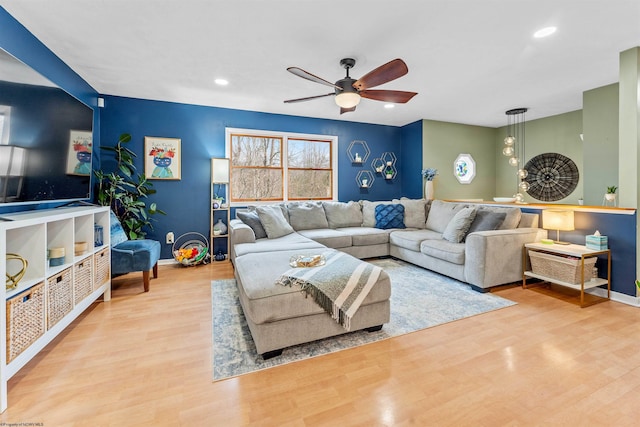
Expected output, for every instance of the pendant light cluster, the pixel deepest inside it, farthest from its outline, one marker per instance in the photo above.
(514, 149)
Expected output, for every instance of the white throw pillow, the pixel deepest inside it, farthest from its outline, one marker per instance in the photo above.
(273, 221)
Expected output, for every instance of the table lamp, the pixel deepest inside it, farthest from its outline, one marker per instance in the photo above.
(555, 219)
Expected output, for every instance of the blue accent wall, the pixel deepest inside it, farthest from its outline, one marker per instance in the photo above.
(621, 235)
(202, 131)
(411, 159)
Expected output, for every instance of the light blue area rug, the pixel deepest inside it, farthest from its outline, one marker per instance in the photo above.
(419, 299)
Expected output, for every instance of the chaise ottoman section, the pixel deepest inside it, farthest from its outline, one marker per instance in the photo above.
(281, 316)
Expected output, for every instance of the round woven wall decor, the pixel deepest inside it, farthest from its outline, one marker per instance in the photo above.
(551, 177)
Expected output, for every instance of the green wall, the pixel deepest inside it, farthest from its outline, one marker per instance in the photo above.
(555, 134)
(600, 128)
(443, 142)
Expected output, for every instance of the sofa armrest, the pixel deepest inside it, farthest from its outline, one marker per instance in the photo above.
(240, 232)
(495, 257)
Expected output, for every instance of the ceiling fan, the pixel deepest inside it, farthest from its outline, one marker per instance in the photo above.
(348, 91)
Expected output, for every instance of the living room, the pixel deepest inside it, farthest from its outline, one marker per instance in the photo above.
(421, 143)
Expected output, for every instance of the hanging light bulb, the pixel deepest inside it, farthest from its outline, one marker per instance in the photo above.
(513, 161)
(522, 173)
(509, 141)
(507, 151)
(524, 186)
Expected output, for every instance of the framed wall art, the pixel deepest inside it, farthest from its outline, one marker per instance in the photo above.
(464, 168)
(79, 152)
(162, 158)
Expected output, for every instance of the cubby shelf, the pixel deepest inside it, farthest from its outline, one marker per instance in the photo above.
(30, 235)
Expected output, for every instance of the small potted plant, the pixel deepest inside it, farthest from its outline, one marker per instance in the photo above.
(429, 174)
(611, 193)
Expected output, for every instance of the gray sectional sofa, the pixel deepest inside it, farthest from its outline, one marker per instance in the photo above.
(474, 243)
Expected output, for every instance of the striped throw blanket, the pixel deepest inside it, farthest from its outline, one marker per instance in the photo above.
(339, 286)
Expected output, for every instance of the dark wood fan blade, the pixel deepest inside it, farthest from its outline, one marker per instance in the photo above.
(308, 98)
(347, 110)
(397, 96)
(306, 75)
(383, 74)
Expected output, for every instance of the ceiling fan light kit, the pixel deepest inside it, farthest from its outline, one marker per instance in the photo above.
(348, 92)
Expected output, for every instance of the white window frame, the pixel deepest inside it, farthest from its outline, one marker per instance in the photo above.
(285, 157)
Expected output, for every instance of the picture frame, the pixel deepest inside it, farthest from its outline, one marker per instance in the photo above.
(162, 158)
(79, 153)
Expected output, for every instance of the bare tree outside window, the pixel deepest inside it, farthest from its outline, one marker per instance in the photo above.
(259, 168)
(309, 166)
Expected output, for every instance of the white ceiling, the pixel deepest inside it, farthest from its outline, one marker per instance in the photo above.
(469, 60)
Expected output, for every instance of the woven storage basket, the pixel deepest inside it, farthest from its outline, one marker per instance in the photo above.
(59, 297)
(25, 320)
(82, 279)
(102, 268)
(561, 268)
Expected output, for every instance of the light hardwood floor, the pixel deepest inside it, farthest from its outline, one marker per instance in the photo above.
(144, 359)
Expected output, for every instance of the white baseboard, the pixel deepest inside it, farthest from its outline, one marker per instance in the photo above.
(616, 296)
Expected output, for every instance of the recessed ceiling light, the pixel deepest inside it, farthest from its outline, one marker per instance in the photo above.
(389, 106)
(221, 82)
(544, 32)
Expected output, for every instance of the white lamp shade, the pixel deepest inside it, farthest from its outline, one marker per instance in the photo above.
(12, 160)
(220, 171)
(554, 219)
(347, 99)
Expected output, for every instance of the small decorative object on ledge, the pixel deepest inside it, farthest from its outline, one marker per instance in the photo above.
(220, 228)
(610, 196)
(354, 150)
(365, 179)
(13, 279)
(429, 174)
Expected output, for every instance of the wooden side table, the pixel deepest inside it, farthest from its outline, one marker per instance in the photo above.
(577, 251)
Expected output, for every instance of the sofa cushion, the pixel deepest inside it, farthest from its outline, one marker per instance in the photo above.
(441, 213)
(341, 214)
(292, 241)
(390, 216)
(459, 225)
(366, 236)
(415, 213)
(444, 250)
(252, 219)
(411, 239)
(307, 215)
(328, 237)
(369, 212)
(273, 221)
(486, 220)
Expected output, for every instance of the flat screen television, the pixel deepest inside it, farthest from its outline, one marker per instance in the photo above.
(46, 139)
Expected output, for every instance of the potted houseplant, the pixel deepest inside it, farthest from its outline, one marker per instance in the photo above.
(610, 195)
(126, 193)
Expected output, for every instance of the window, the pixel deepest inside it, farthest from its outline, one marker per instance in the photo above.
(268, 166)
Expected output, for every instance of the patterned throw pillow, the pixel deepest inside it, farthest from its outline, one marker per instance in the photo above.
(390, 216)
(117, 233)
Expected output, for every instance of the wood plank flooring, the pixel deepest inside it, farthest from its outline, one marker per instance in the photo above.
(144, 359)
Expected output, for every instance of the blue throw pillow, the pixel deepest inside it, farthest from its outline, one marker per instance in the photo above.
(390, 216)
(117, 233)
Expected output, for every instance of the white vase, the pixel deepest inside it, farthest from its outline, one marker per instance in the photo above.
(428, 190)
(219, 228)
